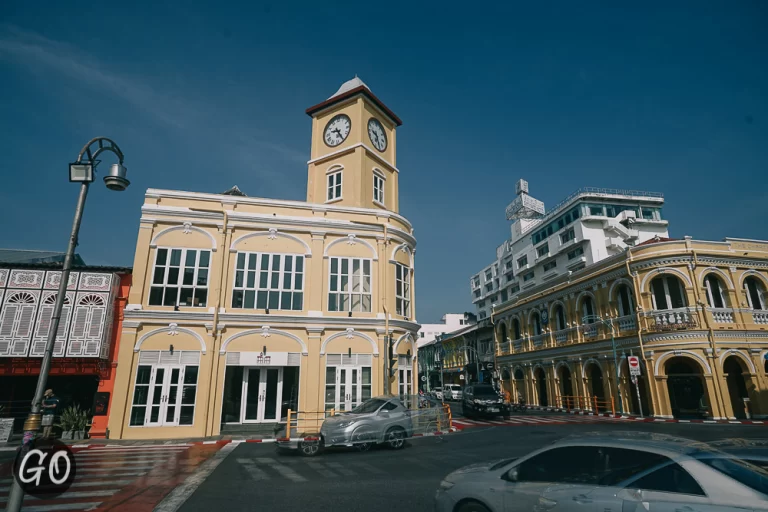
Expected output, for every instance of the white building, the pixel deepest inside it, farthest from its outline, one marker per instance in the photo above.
(449, 323)
(584, 228)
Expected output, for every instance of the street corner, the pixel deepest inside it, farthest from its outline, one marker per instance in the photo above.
(115, 477)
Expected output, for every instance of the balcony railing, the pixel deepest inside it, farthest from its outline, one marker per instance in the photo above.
(722, 315)
(626, 323)
(589, 330)
(760, 317)
(538, 340)
(517, 345)
(671, 319)
(561, 336)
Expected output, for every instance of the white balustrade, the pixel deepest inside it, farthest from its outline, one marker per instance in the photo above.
(722, 315)
(760, 316)
(670, 319)
(589, 330)
(518, 345)
(627, 323)
(561, 336)
(538, 339)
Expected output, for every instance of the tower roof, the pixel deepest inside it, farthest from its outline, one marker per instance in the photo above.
(349, 89)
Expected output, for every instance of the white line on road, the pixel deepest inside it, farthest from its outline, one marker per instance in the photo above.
(341, 469)
(317, 466)
(138, 447)
(288, 473)
(109, 470)
(176, 498)
(255, 473)
(72, 495)
(62, 506)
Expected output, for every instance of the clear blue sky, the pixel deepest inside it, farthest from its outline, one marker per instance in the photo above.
(669, 99)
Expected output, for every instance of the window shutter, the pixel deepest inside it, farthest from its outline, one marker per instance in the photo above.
(43, 328)
(93, 331)
(364, 359)
(190, 357)
(149, 356)
(77, 334)
(23, 330)
(7, 321)
(233, 358)
(294, 359)
(166, 357)
(333, 360)
(61, 335)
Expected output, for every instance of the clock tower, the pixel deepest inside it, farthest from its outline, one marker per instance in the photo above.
(353, 153)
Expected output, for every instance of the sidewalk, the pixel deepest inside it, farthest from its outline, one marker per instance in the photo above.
(647, 419)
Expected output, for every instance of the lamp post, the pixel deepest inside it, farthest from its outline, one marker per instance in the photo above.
(81, 171)
(608, 322)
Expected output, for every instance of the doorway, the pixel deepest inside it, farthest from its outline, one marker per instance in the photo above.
(686, 388)
(737, 387)
(566, 388)
(541, 386)
(252, 394)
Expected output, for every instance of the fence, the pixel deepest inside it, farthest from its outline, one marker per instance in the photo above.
(586, 403)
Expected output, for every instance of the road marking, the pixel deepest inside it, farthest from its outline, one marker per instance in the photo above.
(370, 468)
(317, 466)
(126, 455)
(121, 462)
(62, 506)
(72, 495)
(496, 422)
(176, 498)
(255, 473)
(341, 469)
(289, 473)
(139, 447)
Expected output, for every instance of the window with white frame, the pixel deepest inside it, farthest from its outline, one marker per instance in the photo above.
(542, 250)
(755, 293)
(180, 278)
(378, 188)
(269, 281)
(334, 185)
(549, 266)
(521, 262)
(404, 376)
(668, 293)
(402, 290)
(350, 285)
(560, 318)
(715, 294)
(88, 325)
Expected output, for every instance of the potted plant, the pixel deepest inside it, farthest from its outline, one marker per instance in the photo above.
(6, 426)
(73, 422)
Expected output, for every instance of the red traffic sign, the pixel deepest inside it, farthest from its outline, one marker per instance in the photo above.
(634, 365)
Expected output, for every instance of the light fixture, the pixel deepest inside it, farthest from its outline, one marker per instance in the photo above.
(171, 347)
(408, 353)
(350, 313)
(267, 310)
(81, 173)
(116, 180)
(349, 351)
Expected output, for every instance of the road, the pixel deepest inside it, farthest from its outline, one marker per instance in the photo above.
(256, 476)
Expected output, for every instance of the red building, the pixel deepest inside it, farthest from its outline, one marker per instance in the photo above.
(84, 356)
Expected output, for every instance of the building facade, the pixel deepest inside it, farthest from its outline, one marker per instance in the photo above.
(84, 354)
(588, 226)
(467, 355)
(694, 312)
(243, 308)
(449, 322)
(429, 346)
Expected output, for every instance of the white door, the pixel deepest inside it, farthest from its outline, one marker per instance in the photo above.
(165, 395)
(262, 390)
(348, 388)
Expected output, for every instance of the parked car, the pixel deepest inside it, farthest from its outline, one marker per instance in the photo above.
(380, 420)
(437, 393)
(452, 392)
(633, 471)
(483, 400)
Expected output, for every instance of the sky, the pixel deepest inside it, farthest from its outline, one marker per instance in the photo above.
(669, 97)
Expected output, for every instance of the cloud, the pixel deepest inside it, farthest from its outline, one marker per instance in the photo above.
(38, 53)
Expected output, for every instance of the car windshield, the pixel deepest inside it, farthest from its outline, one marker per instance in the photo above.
(368, 406)
(484, 391)
(742, 471)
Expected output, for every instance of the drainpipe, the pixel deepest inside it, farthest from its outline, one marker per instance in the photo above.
(651, 385)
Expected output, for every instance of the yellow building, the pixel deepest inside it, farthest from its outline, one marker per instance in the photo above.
(694, 312)
(243, 308)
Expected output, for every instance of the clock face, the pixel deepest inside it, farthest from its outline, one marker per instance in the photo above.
(337, 130)
(377, 134)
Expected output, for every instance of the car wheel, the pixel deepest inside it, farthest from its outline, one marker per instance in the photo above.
(395, 438)
(472, 506)
(363, 447)
(309, 448)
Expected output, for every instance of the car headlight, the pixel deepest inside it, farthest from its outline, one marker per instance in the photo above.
(446, 485)
(476, 402)
(345, 424)
(546, 503)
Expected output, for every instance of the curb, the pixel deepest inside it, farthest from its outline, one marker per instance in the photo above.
(647, 419)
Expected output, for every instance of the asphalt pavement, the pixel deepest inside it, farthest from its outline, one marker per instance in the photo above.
(256, 476)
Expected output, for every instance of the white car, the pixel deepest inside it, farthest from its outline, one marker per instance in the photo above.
(437, 393)
(617, 472)
(452, 392)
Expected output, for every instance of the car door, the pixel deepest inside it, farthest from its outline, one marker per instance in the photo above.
(527, 480)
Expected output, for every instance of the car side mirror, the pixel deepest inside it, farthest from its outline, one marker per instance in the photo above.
(383, 412)
(511, 475)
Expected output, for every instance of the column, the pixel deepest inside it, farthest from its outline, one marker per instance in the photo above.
(119, 409)
(141, 263)
(712, 391)
(315, 291)
(663, 408)
(760, 402)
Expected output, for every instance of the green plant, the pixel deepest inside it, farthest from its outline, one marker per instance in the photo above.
(73, 419)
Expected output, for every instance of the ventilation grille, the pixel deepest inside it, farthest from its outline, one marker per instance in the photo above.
(403, 361)
(184, 357)
(233, 358)
(347, 360)
(294, 359)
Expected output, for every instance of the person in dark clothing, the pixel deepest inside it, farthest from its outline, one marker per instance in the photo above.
(50, 408)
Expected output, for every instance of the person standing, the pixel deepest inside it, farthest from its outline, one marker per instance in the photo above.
(50, 408)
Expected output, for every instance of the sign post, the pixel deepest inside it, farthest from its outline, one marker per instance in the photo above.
(634, 370)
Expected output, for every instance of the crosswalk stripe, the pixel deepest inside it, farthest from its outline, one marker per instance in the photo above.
(320, 468)
(341, 469)
(62, 506)
(254, 472)
(370, 468)
(123, 455)
(87, 484)
(288, 473)
(142, 447)
(495, 422)
(125, 462)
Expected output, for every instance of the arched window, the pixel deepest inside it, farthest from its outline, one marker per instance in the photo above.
(625, 302)
(559, 317)
(668, 293)
(588, 310)
(716, 296)
(755, 293)
(536, 324)
(516, 328)
(503, 333)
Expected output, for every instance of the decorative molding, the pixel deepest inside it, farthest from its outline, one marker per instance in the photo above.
(261, 331)
(586, 364)
(661, 262)
(265, 331)
(709, 270)
(752, 272)
(406, 249)
(347, 333)
(352, 237)
(405, 337)
(271, 233)
(676, 353)
(616, 284)
(176, 329)
(664, 270)
(676, 336)
(186, 228)
(738, 353)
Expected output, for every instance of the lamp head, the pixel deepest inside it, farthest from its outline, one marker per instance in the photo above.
(116, 179)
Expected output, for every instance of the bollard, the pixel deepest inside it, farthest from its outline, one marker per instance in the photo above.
(613, 406)
(595, 401)
(288, 424)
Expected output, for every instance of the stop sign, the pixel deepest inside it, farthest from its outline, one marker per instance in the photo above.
(634, 365)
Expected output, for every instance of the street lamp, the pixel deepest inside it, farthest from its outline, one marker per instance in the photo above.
(81, 171)
(608, 322)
